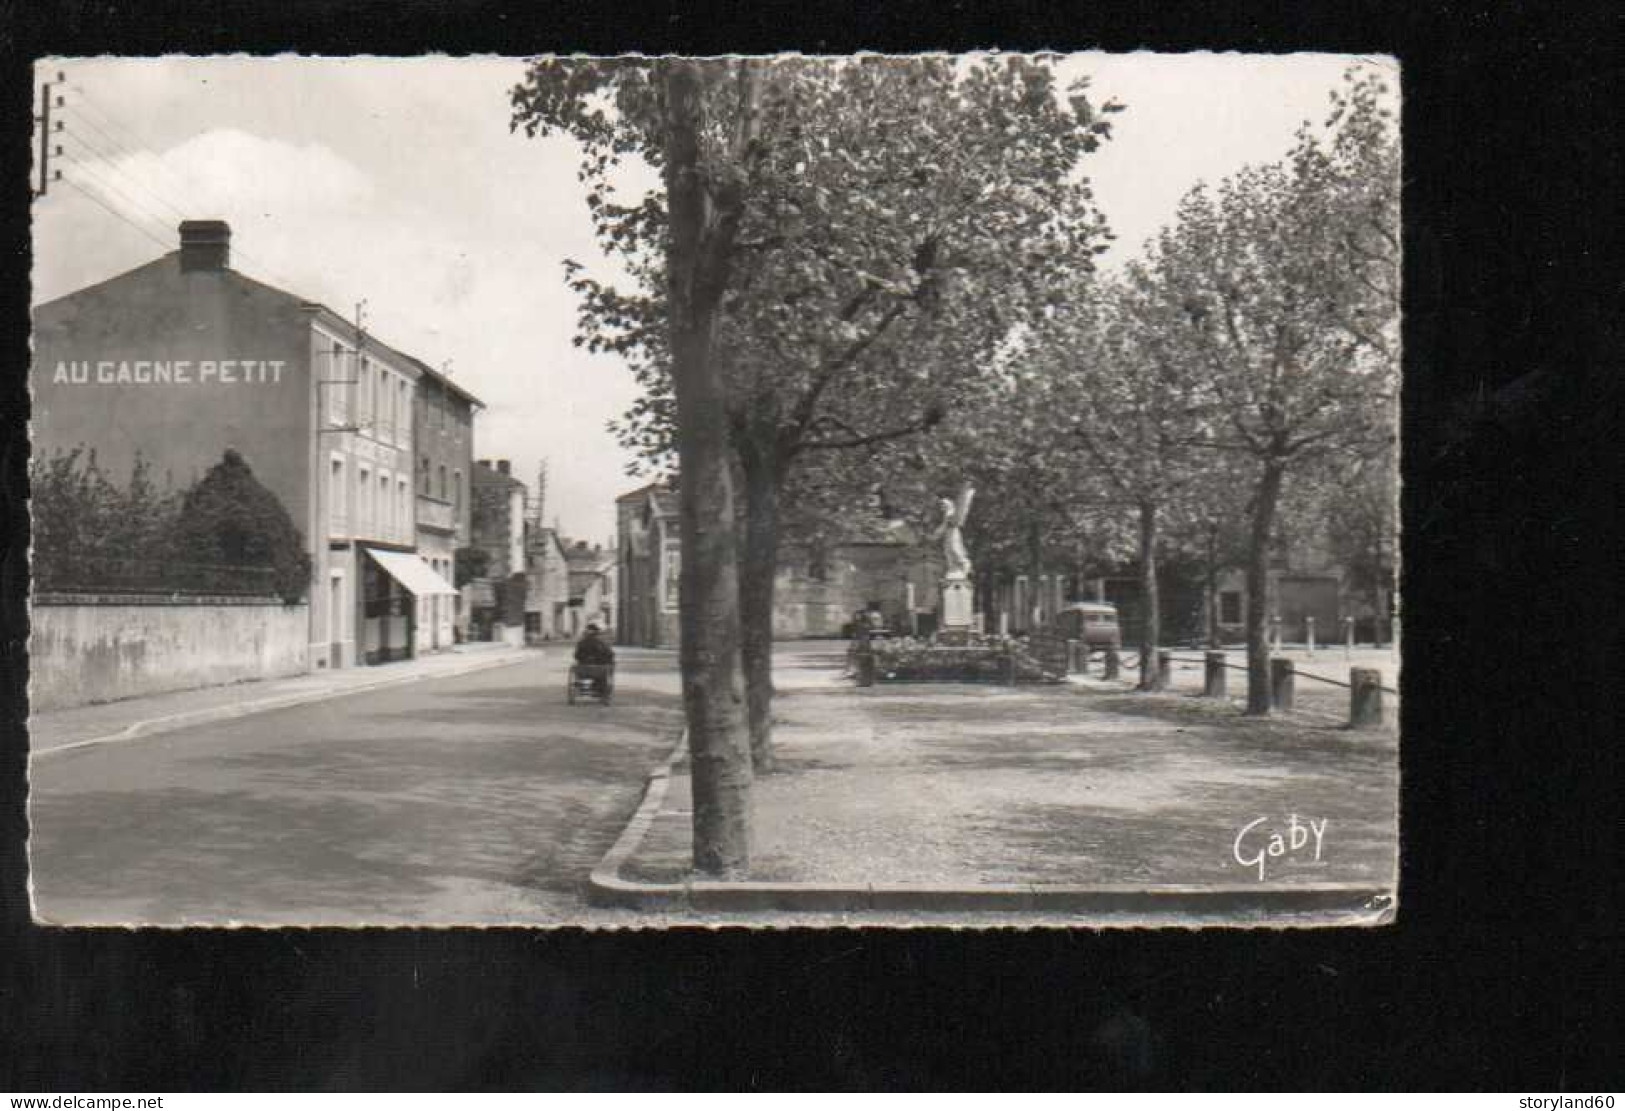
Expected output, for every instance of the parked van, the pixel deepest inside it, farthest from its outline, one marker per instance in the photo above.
(1092, 623)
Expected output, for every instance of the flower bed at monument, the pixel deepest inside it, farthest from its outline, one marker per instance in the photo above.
(985, 660)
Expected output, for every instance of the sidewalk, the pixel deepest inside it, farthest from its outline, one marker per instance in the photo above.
(82, 726)
(1070, 799)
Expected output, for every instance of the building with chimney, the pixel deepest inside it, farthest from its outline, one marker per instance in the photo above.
(184, 357)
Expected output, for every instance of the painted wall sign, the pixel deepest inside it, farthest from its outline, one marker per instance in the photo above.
(167, 372)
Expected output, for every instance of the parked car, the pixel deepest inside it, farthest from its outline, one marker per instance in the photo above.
(1093, 623)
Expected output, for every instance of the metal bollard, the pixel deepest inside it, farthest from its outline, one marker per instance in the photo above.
(1165, 667)
(1282, 683)
(1213, 677)
(1075, 663)
(1114, 663)
(1365, 697)
(1348, 638)
(1309, 635)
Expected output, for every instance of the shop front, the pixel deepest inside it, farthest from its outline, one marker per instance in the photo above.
(394, 586)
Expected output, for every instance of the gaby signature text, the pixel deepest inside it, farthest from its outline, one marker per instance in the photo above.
(1256, 848)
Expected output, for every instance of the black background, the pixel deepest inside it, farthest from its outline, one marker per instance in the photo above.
(1496, 975)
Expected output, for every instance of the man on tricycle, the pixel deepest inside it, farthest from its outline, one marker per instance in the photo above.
(595, 660)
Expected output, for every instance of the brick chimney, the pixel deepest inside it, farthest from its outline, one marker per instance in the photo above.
(504, 466)
(205, 245)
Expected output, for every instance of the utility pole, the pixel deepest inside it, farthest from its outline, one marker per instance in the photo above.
(538, 501)
(45, 148)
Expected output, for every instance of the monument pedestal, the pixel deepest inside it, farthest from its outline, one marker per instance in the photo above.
(957, 607)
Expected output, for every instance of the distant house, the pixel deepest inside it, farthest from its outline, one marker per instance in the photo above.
(592, 586)
(1306, 584)
(819, 587)
(647, 567)
(547, 589)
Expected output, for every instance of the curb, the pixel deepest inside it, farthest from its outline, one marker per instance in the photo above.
(168, 723)
(607, 888)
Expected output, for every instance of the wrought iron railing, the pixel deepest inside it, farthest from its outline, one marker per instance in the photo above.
(93, 574)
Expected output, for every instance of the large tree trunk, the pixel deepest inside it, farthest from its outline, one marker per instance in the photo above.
(1150, 597)
(1214, 638)
(757, 578)
(1258, 564)
(708, 585)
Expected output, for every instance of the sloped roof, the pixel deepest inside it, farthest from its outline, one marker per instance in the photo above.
(330, 318)
(660, 493)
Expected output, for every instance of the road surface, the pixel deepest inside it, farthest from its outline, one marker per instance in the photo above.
(476, 799)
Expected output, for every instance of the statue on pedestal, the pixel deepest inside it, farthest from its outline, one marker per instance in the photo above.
(957, 603)
(953, 541)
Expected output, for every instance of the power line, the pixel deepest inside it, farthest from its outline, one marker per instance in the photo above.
(108, 164)
(77, 114)
(87, 104)
(113, 211)
(134, 207)
(108, 175)
(132, 150)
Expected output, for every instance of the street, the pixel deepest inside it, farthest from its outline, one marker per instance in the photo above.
(475, 799)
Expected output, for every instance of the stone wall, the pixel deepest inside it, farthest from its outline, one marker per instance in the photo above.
(100, 650)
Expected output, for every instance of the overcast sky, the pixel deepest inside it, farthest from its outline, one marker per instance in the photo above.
(398, 182)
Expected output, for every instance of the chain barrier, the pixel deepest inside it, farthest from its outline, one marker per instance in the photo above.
(1296, 673)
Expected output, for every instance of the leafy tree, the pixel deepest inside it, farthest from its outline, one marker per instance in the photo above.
(230, 518)
(1284, 286)
(1207, 525)
(81, 520)
(1360, 518)
(1130, 402)
(469, 564)
(897, 217)
(697, 123)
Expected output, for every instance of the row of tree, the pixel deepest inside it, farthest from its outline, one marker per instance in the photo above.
(225, 532)
(876, 278)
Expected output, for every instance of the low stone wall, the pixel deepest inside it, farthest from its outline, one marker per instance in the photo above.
(87, 649)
